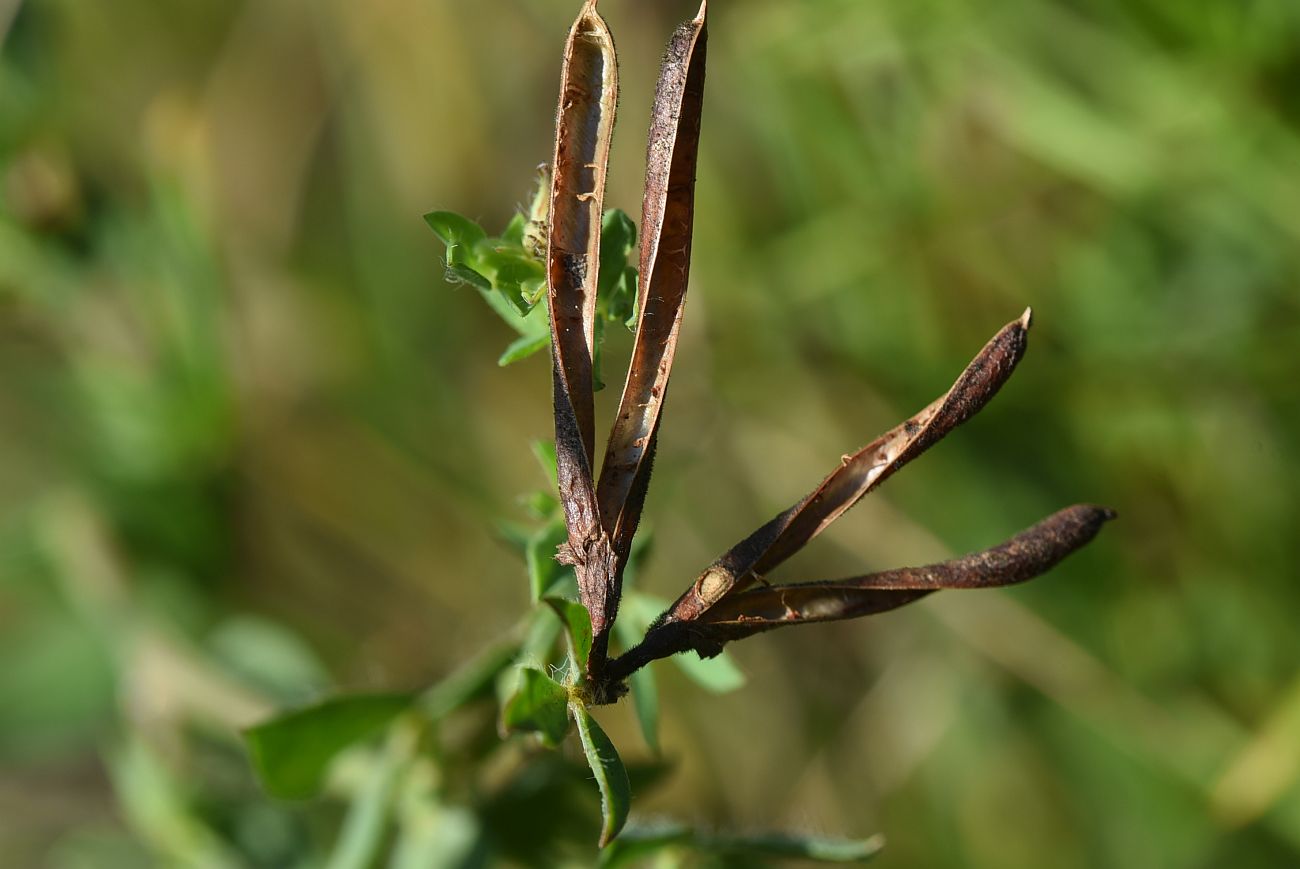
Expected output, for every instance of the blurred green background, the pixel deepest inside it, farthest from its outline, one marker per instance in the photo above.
(252, 445)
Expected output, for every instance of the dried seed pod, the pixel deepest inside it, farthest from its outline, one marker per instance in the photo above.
(667, 222)
(857, 475)
(1030, 553)
(583, 127)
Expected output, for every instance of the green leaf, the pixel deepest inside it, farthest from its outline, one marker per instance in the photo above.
(542, 505)
(469, 276)
(513, 534)
(645, 700)
(454, 229)
(577, 626)
(644, 688)
(514, 231)
(544, 451)
(365, 827)
(718, 675)
(617, 287)
(438, 837)
(796, 845)
(539, 706)
(544, 572)
(523, 347)
(611, 777)
(638, 843)
(509, 270)
(291, 753)
(642, 547)
(472, 681)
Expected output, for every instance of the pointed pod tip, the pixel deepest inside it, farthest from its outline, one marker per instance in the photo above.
(704, 10)
(1027, 319)
(1095, 512)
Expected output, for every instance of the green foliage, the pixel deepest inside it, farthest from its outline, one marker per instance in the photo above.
(510, 274)
(292, 752)
(539, 705)
(611, 777)
(639, 843)
(577, 631)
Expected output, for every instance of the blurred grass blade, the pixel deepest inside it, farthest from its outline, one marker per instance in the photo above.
(799, 846)
(470, 682)
(857, 475)
(645, 702)
(538, 706)
(544, 452)
(366, 826)
(640, 843)
(521, 348)
(642, 684)
(611, 776)
(717, 675)
(438, 837)
(291, 753)
(667, 225)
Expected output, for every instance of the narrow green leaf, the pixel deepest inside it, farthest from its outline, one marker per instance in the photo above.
(640, 842)
(637, 843)
(468, 275)
(544, 572)
(642, 683)
(544, 451)
(365, 827)
(508, 270)
(616, 289)
(542, 505)
(611, 777)
(539, 706)
(514, 231)
(535, 651)
(523, 347)
(718, 675)
(472, 681)
(638, 554)
(796, 846)
(645, 700)
(513, 534)
(454, 229)
(439, 837)
(577, 627)
(291, 753)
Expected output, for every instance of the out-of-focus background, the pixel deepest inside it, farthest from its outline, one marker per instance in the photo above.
(252, 445)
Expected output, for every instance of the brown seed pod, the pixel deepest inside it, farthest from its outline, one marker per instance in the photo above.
(1030, 553)
(667, 222)
(583, 128)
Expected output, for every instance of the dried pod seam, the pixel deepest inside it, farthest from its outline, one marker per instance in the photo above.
(667, 221)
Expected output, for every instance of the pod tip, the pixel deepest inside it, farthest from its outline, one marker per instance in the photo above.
(1027, 319)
